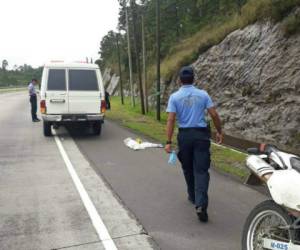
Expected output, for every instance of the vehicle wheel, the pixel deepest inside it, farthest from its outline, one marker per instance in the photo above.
(97, 127)
(47, 128)
(266, 220)
(55, 126)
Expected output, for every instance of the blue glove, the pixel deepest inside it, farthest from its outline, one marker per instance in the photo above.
(172, 158)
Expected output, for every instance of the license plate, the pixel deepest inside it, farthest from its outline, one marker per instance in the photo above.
(279, 245)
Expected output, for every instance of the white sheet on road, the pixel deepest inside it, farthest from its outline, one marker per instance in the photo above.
(133, 144)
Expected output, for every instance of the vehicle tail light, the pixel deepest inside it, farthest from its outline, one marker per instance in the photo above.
(103, 106)
(43, 106)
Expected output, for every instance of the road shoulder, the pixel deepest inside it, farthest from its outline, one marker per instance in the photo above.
(124, 228)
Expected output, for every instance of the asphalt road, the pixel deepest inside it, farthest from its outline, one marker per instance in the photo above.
(41, 209)
(155, 193)
(41, 206)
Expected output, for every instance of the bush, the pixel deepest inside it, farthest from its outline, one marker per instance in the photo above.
(291, 25)
(282, 8)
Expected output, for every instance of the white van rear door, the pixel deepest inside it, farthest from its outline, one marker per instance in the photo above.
(56, 92)
(84, 92)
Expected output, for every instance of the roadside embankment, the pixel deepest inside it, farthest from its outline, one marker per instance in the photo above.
(253, 78)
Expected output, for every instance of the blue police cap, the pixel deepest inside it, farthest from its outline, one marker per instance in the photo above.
(186, 73)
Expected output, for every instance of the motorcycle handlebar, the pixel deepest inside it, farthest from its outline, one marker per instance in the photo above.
(253, 151)
(267, 150)
(262, 149)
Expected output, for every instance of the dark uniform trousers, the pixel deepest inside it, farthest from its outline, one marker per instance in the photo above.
(33, 102)
(194, 155)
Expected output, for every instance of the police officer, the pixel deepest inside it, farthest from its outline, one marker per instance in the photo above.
(189, 105)
(33, 100)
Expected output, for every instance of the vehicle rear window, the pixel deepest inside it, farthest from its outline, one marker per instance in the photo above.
(83, 80)
(56, 80)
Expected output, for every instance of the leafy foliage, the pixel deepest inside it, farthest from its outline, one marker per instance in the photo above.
(4, 64)
(291, 24)
(179, 20)
(18, 76)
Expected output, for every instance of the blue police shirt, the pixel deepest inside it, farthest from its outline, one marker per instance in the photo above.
(190, 103)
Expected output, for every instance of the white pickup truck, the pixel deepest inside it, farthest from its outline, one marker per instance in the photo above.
(72, 93)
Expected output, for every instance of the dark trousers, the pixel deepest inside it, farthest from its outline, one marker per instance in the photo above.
(194, 155)
(33, 102)
(107, 100)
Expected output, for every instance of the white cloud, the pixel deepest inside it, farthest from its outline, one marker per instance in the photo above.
(36, 31)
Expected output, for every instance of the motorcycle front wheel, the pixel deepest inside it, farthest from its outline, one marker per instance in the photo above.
(266, 220)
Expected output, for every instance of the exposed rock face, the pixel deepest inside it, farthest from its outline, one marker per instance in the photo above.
(254, 78)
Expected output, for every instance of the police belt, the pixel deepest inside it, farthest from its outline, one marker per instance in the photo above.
(201, 129)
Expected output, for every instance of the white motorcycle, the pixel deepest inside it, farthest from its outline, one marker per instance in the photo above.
(274, 224)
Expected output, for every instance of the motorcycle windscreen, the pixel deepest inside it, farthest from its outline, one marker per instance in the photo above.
(295, 163)
(284, 186)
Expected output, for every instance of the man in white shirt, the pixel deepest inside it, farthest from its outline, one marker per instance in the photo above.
(33, 100)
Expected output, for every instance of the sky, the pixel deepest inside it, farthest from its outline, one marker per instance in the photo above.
(38, 31)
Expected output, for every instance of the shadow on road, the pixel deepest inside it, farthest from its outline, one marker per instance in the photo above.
(76, 131)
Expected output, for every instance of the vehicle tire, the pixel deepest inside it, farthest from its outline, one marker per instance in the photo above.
(47, 128)
(256, 226)
(97, 127)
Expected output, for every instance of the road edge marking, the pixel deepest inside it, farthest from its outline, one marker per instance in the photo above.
(229, 148)
(97, 222)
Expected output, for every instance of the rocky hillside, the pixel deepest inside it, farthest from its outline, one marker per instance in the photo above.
(254, 79)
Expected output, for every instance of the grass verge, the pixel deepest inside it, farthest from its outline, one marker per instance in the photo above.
(224, 159)
(5, 90)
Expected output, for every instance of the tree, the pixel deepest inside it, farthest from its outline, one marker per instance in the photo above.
(4, 64)
(179, 20)
(120, 69)
(158, 59)
(18, 76)
(144, 66)
(129, 56)
(137, 54)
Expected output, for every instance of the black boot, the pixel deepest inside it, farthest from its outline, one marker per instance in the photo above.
(191, 200)
(202, 214)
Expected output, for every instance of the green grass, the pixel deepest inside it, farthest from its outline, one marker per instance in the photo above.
(228, 161)
(5, 90)
(130, 117)
(224, 159)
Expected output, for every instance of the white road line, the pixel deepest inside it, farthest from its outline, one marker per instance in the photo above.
(98, 224)
(234, 150)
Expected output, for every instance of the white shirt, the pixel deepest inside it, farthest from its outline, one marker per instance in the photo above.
(31, 89)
